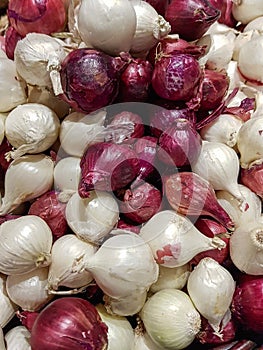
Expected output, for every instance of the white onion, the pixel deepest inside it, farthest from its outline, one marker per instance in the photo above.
(18, 338)
(7, 307)
(245, 11)
(126, 306)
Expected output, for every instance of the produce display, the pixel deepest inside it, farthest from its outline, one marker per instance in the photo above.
(131, 173)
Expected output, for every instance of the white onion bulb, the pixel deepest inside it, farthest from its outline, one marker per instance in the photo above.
(2, 340)
(31, 128)
(25, 244)
(126, 306)
(245, 11)
(29, 290)
(7, 307)
(18, 338)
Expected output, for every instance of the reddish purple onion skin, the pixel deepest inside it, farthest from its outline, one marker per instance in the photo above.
(163, 118)
(177, 77)
(209, 227)
(52, 211)
(69, 323)
(89, 79)
(135, 81)
(189, 194)
(125, 225)
(107, 167)
(214, 88)
(226, 16)
(253, 179)
(11, 39)
(130, 117)
(159, 5)
(27, 318)
(45, 16)
(208, 336)
(141, 203)
(247, 303)
(180, 144)
(220, 255)
(190, 18)
(5, 147)
(8, 217)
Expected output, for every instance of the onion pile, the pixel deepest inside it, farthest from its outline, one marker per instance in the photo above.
(131, 156)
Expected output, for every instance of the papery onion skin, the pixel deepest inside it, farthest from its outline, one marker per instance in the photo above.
(129, 117)
(28, 16)
(180, 144)
(52, 211)
(226, 16)
(253, 178)
(69, 323)
(247, 305)
(135, 81)
(107, 167)
(89, 79)
(11, 39)
(123, 224)
(177, 77)
(191, 18)
(141, 203)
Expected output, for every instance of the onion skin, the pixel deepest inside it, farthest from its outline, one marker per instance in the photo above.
(46, 16)
(69, 323)
(253, 178)
(247, 303)
(123, 224)
(177, 77)
(191, 18)
(207, 335)
(218, 255)
(159, 5)
(129, 117)
(27, 318)
(90, 79)
(209, 227)
(11, 39)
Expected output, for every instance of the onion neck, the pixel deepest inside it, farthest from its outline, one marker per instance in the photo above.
(44, 259)
(256, 236)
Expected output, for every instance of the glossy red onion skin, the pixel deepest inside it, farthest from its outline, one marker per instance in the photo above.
(45, 16)
(141, 203)
(135, 81)
(52, 211)
(214, 88)
(5, 147)
(11, 39)
(219, 255)
(125, 225)
(69, 323)
(253, 179)
(27, 318)
(189, 194)
(209, 227)
(177, 77)
(162, 118)
(226, 16)
(130, 117)
(107, 167)
(190, 18)
(247, 303)
(89, 80)
(244, 110)
(207, 335)
(159, 5)
(180, 144)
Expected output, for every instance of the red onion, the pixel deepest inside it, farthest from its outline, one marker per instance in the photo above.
(52, 211)
(162, 118)
(90, 79)
(191, 18)
(243, 111)
(209, 227)
(189, 194)
(253, 178)
(27, 318)
(135, 81)
(8, 217)
(244, 345)
(180, 144)
(177, 77)
(208, 336)
(220, 255)
(11, 39)
(124, 224)
(159, 5)
(225, 7)
(171, 45)
(45, 16)
(107, 167)
(69, 323)
(5, 147)
(129, 117)
(214, 88)
(141, 203)
(247, 304)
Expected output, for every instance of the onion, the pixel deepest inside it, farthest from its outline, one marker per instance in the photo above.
(45, 17)
(52, 211)
(225, 7)
(125, 224)
(253, 178)
(180, 144)
(135, 81)
(11, 39)
(191, 18)
(159, 5)
(107, 167)
(190, 194)
(209, 227)
(247, 305)
(89, 79)
(246, 10)
(177, 77)
(141, 203)
(27, 318)
(69, 323)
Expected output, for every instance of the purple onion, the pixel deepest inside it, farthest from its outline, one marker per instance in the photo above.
(11, 39)
(180, 144)
(90, 79)
(177, 77)
(135, 81)
(141, 203)
(191, 18)
(107, 167)
(159, 5)
(125, 224)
